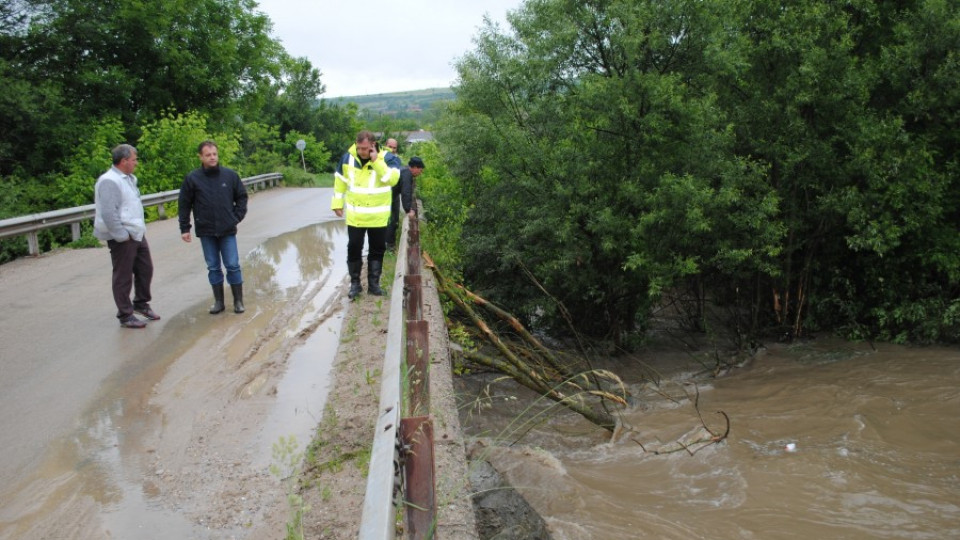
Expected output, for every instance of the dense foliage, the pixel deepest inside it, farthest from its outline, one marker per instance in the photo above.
(787, 166)
(80, 77)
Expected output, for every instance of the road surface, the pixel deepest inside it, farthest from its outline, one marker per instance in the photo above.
(123, 433)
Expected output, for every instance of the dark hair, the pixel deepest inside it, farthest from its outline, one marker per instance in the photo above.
(416, 162)
(204, 144)
(121, 152)
(366, 136)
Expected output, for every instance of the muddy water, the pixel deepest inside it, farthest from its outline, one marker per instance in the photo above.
(312, 259)
(100, 480)
(827, 440)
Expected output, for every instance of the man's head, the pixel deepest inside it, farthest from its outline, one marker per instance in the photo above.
(209, 154)
(416, 165)
(392, 145)
(124, 158)
(366, 143)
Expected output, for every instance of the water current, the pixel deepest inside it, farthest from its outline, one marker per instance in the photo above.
(827, 439)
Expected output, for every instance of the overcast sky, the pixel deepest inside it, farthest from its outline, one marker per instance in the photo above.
(412, 43)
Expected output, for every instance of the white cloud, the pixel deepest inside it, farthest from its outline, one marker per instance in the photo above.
(386, 47)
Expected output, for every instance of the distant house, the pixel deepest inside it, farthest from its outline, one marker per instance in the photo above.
(410, 137)
(418, 136)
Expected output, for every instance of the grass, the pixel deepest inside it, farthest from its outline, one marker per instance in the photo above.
(371, 378)
(350, 331)
(295, 176)
(286, 460)
(324, 454)
(323, 180)
(389, 268)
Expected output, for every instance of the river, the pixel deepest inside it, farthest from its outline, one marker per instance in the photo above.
(828, 439)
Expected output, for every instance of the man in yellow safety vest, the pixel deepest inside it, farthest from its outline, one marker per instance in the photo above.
(362, 192)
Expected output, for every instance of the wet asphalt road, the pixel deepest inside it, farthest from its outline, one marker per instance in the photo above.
(60, 341)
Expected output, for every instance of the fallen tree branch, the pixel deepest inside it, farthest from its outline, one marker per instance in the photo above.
(538, 368)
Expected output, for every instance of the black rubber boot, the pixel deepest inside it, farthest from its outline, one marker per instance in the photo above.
(354, 267)
(374, 268)
(217, 306)
(237, 291)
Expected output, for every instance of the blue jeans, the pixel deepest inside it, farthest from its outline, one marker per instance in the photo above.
(217, 249)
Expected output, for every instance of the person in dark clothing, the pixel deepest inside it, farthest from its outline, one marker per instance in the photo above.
(404, 192)
(218, 200)
(394, 161)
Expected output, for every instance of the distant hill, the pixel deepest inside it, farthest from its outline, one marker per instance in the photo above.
(416, 104)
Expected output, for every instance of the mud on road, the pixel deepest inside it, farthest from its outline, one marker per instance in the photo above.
(167, 432)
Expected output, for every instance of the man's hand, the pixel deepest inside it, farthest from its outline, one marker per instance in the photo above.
(373, 154)
(185, 237)
(338, 212)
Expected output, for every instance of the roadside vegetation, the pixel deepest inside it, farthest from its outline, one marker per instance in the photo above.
(606, 171)
(81, 77)
(751, 170)
(748, 170)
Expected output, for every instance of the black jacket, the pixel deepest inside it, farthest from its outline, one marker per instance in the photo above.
(405, 188)
(217, 199)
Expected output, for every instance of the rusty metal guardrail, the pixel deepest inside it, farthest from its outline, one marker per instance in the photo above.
(402, 470)
(32, 224)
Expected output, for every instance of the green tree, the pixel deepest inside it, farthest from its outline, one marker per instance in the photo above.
(315, 154)
(795, 163)
(135, 57)
(64, 65)
(337, 128)
(89, 160)
(846, 104)
(260, 148)
(37, 125)
(446, 213)
(80, 77)
(294, 96)
(575, 132)
(168, 150)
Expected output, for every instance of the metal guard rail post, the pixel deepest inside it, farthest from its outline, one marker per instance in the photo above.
(31, 224)
(378, 518)
(403, 445)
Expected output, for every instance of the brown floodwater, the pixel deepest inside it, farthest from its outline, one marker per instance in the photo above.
(828, 439)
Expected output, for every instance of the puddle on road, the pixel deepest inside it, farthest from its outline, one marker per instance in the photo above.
(302, 393)
(96, 472)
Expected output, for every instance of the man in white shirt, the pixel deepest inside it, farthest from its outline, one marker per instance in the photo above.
(119, 220)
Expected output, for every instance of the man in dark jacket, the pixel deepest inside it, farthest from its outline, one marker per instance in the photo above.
(393, 161)
(404, 192)
(218, 200)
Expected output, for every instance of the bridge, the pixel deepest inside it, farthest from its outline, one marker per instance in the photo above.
(79, 394)
(87, 408)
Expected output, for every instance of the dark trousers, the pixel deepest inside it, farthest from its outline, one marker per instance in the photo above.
(355, 238)
(132, 269)
(394, 220)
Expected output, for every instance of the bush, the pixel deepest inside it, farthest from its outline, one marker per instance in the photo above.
(296, 177)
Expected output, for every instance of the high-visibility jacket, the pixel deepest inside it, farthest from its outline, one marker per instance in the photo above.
(363, 189)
